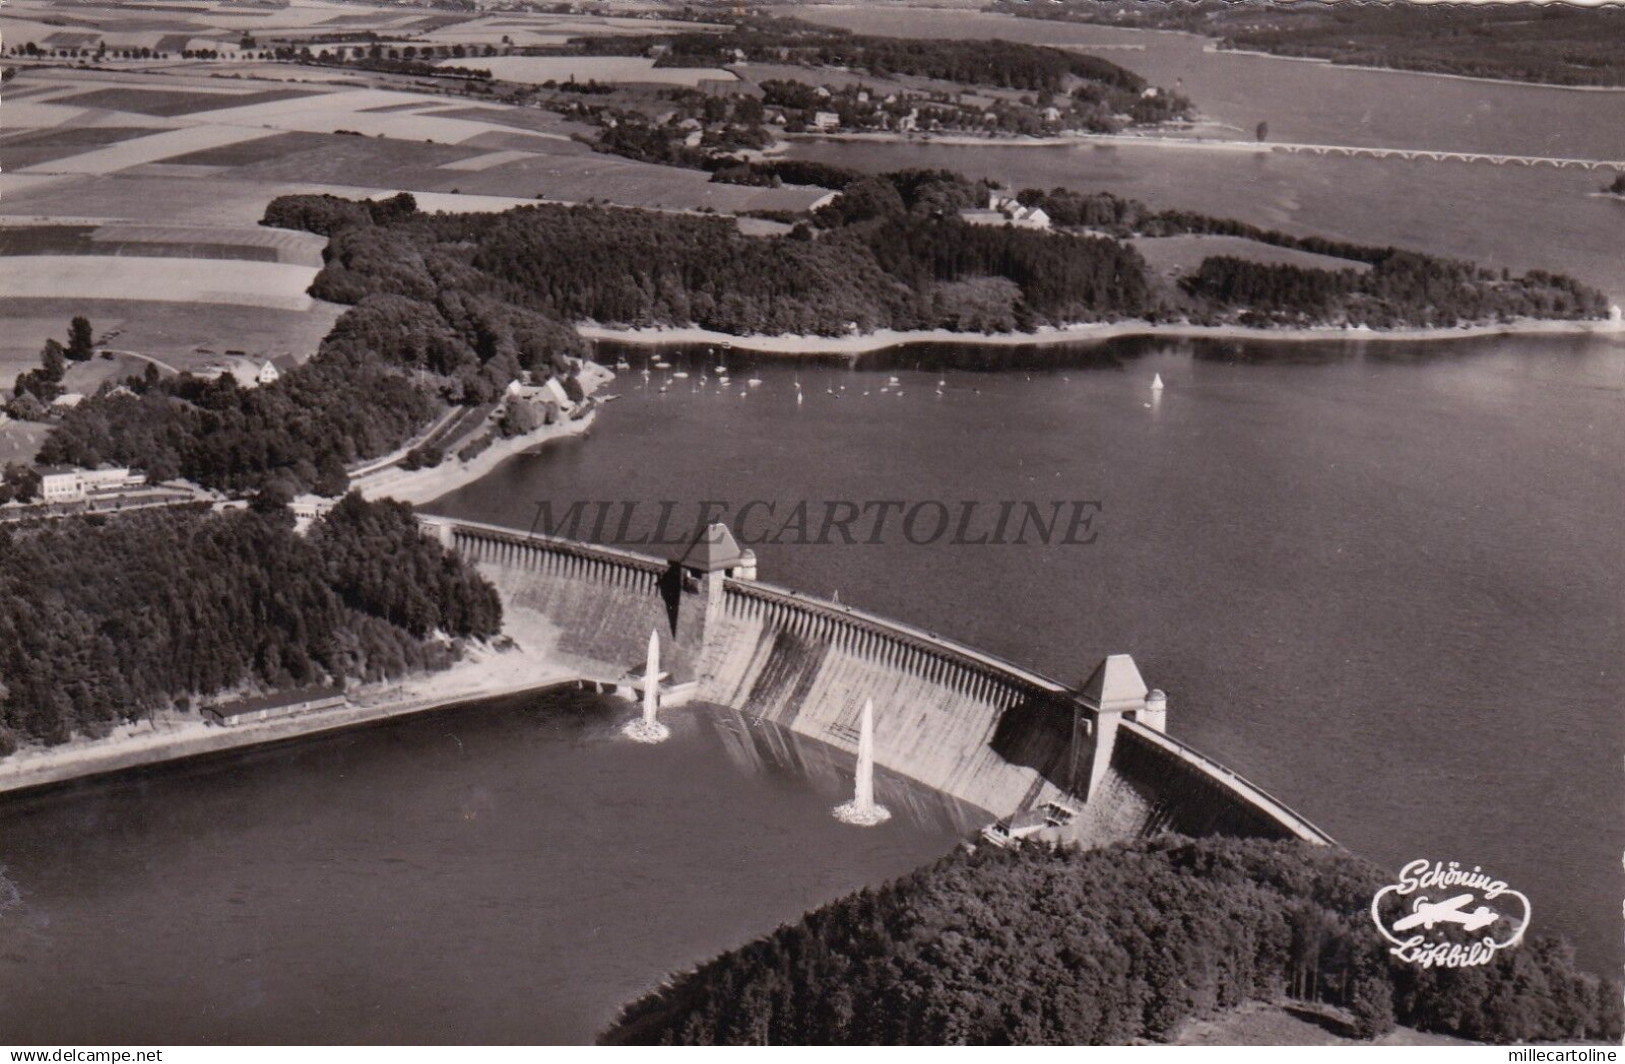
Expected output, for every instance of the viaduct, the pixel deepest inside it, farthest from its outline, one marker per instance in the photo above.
(989, 733)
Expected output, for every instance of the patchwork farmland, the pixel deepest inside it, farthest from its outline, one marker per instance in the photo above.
(141, 144)
(90, 156)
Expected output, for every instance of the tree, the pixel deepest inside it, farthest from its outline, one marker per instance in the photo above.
(53, 361)
(81, 341)
(20, 482)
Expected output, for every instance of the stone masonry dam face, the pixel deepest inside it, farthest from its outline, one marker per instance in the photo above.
(980, 730)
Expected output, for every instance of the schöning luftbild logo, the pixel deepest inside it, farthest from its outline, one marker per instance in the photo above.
(1442, 915)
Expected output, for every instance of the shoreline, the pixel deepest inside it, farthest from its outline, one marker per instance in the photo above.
(1215, 49)
(420, 486)
(484, 672)
(882, 339)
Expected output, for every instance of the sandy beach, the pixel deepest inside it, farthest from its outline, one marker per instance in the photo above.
(1082, 333)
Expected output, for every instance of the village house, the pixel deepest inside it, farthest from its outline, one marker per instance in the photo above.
(1007, 210)
(826, 120)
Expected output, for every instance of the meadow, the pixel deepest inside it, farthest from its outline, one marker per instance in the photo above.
(1180, 255)
(535, 70)
(107, 173)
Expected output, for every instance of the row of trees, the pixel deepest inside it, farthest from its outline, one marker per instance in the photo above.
(1557, 44)
(452, 307)
(891, 251)
(1104, 947)
(1402, 288)
(991, 62)
(105, 621)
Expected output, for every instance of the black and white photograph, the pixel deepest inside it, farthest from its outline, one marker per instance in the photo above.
(627, 523)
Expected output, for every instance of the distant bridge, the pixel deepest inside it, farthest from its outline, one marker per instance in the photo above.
(1353, 151)
(1432, 155)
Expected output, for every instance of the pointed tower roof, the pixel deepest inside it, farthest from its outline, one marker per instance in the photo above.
(1115, 686)
(712, 551)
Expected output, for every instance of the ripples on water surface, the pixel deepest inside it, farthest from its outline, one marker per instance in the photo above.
(512, 872)
(1381, 580)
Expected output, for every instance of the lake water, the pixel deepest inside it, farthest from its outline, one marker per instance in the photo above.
(510, 872)
(1382, 581)
(1514, 216)
(1313, 103)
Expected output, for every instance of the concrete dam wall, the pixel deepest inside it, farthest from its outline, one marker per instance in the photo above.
(979, 730)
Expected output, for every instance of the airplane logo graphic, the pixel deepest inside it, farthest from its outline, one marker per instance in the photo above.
(1426, 914)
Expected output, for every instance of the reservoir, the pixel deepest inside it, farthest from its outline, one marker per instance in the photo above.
(509, 872)
(1516, 217)
(1378, 580)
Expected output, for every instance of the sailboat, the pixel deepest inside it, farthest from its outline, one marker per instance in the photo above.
(1156, 382)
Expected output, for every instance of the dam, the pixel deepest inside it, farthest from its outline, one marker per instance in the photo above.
(984, 731)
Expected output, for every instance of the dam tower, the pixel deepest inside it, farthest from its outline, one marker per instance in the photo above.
(694, 590)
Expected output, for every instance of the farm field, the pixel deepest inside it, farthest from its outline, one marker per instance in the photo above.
(534, 70)
(135, 198)
(20, 441)
(222, 25)
(166, 279)
(178, 335)
(1177, 256)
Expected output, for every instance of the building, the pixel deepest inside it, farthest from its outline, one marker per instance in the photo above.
(248, 372)
(826, 120)
(60, 483)
(549, 391)
(306, 509)
(273, 706)
(1006, 210)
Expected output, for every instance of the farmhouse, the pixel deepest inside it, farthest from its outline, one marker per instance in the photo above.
(1006, 210)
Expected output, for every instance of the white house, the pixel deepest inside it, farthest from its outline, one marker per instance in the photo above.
(268, 374)
(826, 120)
(1006, 210)
(60, 483)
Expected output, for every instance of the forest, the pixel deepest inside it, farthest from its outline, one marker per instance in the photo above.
(991, 62)
(448, 308)
(104, 621)
(1064, 947)
(1559, 44)
(888, 253)
(430, 335)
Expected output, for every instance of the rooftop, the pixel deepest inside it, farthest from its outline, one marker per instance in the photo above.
(1115, 685)
(712, 551)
